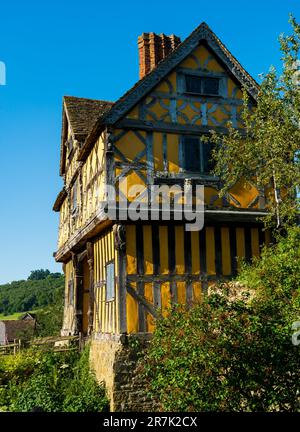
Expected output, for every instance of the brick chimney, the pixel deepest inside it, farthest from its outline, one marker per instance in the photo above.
(153, 48)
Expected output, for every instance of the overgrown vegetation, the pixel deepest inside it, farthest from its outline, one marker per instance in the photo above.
(234, 352)
(44, 380)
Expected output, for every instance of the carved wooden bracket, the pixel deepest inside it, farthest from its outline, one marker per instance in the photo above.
(119, 237)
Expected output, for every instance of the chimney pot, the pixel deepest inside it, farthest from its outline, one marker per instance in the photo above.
(153, 48)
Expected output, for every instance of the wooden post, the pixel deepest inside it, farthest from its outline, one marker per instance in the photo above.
(15, 346)
(90, 255)
(19, 345)
(78, 293)
(120, 246)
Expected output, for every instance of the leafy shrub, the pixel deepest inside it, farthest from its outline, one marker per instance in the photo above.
(233, 353)
(50, 382)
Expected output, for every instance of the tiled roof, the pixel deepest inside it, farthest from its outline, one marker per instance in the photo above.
(83, 113)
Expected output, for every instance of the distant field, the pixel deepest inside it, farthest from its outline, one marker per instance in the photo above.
(14, 316)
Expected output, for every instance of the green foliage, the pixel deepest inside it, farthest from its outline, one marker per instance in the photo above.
(38, 274)
(49, 381)
(49, 319)
(266, 154)
(21, 296)
(234, 352)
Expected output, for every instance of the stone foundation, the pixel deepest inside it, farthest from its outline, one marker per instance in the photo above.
(114, 361)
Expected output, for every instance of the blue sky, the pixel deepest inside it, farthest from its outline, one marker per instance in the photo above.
(89, 49)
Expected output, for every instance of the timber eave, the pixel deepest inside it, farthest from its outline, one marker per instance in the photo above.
(98, 224)
(59, 200)
(79, 238)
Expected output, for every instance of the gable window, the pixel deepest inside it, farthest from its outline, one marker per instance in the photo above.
(202, 85)
(196, 155)
(110, 281)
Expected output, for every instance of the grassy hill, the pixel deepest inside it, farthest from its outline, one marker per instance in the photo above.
(42, 293)
(30, 294)
(16, 315)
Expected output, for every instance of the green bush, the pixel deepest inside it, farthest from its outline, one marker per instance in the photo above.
(49, 381)
(233, 352)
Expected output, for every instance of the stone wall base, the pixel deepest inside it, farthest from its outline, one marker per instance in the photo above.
(114, 362)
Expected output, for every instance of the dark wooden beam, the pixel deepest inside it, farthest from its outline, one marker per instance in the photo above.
(141, 299)
(159, 126)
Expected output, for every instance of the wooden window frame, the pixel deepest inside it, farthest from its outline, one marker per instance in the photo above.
(112, 298)
(202, 79)
(201, 173)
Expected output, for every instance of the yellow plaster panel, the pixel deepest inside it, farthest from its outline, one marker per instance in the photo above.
(244, 193)
(181, 292)
(165, 298)
(179, 249)
(218, 115)
(214, 66)
(173, 152)
(231, 87)
(148, 253)
(226, 261)
(130, 146)
(131, 249)
(211, 197)
(134, 113)
(195, 252)
(210, 251)
(158, 151)
(163, 249)
(159, 111)
(132, 314)
(196, 291)
(150, 321)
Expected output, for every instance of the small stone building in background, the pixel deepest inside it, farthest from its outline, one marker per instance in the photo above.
(17, 329)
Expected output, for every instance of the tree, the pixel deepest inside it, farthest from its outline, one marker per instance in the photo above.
(266, 153)
(38, 274)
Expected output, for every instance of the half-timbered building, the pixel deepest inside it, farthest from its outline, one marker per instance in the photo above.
(121, 273)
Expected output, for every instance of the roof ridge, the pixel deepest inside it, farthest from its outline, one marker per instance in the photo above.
(84, 98)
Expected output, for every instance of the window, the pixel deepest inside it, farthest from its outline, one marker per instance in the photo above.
(71, 292)
(196, 155)
(110, 281)
(202, 85)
